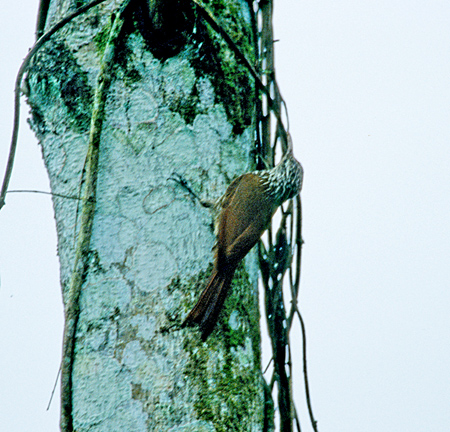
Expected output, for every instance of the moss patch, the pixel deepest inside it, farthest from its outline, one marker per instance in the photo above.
(214, 59)
(101, 38)
(57, 75)
(226, 368)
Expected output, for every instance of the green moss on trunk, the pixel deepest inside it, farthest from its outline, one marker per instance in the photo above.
(226, 368)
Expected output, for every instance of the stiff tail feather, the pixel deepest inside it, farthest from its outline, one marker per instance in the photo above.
(206, 311)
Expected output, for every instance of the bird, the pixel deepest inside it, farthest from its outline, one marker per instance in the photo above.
(244, 212)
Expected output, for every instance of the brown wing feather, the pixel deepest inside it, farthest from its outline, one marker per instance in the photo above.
(245, 215)
(231, 189)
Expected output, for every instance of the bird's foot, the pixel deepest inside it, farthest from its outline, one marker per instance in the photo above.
(177, 178)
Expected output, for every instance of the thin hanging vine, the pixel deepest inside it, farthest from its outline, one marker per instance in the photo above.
(18, 89)
(82, 255)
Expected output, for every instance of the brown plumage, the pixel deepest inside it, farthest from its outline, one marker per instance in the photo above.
(245, 211)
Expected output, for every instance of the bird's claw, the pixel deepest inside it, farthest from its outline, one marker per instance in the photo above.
(183, 183)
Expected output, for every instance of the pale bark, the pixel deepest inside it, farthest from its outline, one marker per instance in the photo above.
(150, 250)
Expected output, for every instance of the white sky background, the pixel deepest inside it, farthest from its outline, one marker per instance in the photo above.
(367, 87)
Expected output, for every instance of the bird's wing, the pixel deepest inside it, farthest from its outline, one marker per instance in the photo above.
(245, 214)
(229, 193)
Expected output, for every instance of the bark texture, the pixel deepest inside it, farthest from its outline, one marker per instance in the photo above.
(186, 108)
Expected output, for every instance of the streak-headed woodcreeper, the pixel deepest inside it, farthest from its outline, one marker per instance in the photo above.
(244, 213)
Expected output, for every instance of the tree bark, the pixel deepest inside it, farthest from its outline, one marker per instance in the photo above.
(178, 102)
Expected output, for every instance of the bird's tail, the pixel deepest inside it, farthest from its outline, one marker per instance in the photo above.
(206, 311)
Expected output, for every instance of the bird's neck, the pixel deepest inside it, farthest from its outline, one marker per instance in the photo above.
(284, 181)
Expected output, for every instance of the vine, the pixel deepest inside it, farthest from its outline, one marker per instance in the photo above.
(18, 85)
(284, 241)
(82, 252)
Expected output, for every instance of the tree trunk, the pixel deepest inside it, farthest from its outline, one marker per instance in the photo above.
(177, 102)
